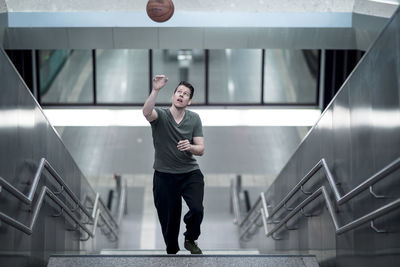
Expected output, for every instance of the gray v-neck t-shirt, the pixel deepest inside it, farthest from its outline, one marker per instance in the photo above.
(166, 135)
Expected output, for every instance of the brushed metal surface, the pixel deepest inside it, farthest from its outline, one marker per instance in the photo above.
(358, 134)
(25, 137)
(200, 24)
(207, 38)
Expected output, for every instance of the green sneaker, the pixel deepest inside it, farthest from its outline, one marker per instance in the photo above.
(192, 247)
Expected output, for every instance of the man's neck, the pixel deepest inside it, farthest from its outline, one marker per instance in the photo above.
(177, 112)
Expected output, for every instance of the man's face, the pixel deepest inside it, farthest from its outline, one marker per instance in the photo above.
(181, 97)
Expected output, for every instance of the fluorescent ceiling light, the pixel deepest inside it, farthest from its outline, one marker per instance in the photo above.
(390, 2)
(209, 117)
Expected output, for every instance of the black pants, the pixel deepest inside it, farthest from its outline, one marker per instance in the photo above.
(168, 190)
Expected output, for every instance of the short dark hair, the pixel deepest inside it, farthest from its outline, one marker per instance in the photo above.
(188, 85)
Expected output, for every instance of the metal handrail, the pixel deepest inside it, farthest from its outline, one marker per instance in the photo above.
(46, 191)
(263, 212)
(339, 229)
(322, 191)
(235, 201)
(111, 217)
(112, 225)
(122, 202)
(248, 215)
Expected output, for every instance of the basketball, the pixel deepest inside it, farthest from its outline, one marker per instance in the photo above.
(160, 10)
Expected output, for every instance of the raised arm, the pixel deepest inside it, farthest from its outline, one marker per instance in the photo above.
(149, 113)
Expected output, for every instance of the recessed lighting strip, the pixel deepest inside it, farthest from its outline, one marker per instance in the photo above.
(209, 117)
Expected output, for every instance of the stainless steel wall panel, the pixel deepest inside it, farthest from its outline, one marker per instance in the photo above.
(138, 38)
(88, 38)
(228, 38)
(366, 29)
(26, 137)
(181, 38)
(205, 38)
(328, 29)
(340, 164)
(358, 135)
(327, 237)
(300, 38)
(36, 38)
(3, 6)
(3, 25)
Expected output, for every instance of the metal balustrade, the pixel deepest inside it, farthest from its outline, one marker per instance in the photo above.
(252, 217)
(91, 218)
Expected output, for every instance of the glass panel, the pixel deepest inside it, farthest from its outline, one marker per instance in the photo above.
(122, 76)
(290, 76)
(180, 65)
(235, 76)
(66, 76)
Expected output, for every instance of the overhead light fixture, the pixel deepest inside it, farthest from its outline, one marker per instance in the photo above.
(209, 117)
(390, 2)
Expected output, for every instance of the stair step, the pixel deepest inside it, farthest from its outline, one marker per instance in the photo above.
(182, 260)
(182, 252)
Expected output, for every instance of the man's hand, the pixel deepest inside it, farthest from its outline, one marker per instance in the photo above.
(184, 145)
(197, 148)
(159, 81)
(148, 110)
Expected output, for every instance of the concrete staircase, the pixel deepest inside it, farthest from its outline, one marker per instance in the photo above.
(182, 252)
(159, 258)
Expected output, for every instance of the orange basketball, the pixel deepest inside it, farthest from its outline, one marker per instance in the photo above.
(160, 10)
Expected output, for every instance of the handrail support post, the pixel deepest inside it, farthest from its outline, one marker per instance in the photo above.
(371, 190)
(379, 231)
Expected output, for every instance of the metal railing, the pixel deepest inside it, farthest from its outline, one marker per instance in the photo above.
(235, 207)
(121, 187)
(252, 217)
(91, 218)
(238, 197)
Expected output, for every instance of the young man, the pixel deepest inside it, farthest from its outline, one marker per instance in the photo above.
(177, 136)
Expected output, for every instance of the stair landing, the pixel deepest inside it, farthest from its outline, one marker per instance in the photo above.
(182, 260)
